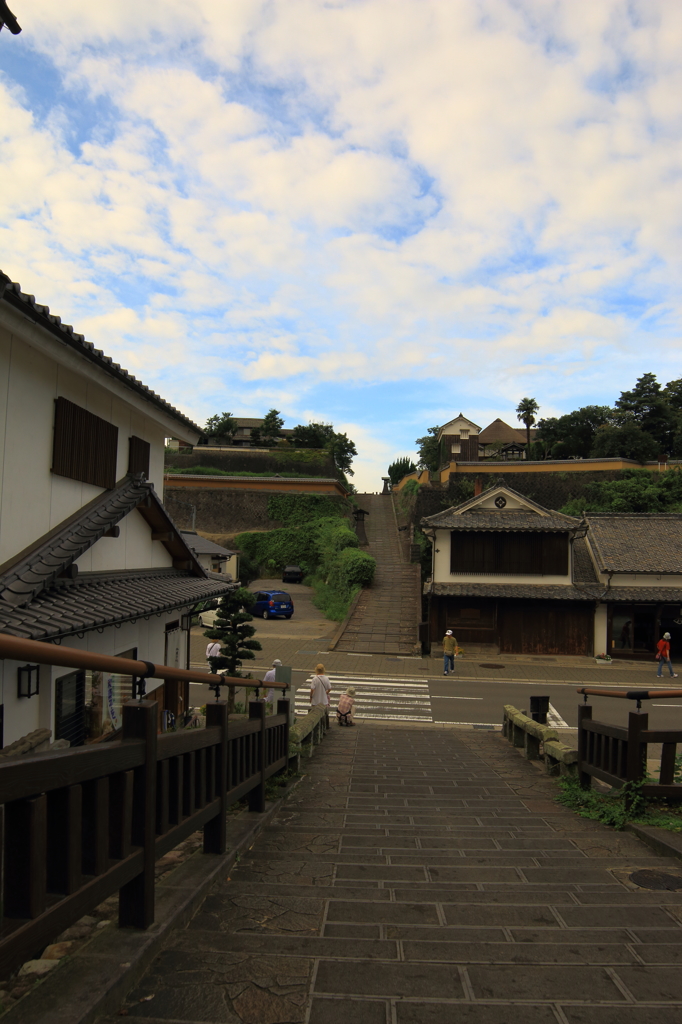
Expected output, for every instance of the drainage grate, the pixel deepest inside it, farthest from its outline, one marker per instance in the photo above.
(485, 665)
(656, 880)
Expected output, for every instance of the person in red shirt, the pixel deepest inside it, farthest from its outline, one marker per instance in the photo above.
(663, 648)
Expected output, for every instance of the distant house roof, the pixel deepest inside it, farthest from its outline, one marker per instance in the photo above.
(203, 546)
(500, 432)
(11, 293)
(631, 543)
(461, 416)
(470, 516)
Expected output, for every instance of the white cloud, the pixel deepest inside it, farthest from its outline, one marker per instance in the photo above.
(273, 197)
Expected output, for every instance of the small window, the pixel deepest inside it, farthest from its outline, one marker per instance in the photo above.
(456, 449)
(464, 434)
(85, 446)
(138, 456)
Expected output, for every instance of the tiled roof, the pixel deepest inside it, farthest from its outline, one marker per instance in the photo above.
(637, 543)
(97, 600)
(645, 595)
(506, 522)
(539, 592)
(202, 545)
(498, 430)
(583, 567)
(27, 305)
(38, 566)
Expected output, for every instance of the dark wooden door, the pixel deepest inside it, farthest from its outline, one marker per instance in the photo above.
(556, 627)
(70, 708)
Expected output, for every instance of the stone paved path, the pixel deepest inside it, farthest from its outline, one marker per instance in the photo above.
(422, 876)
(386, 617)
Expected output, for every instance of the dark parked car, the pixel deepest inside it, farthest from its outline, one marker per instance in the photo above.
(272, 602)
(292, 574)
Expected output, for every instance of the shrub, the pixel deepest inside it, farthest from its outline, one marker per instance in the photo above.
(351, 568)
(296, 509)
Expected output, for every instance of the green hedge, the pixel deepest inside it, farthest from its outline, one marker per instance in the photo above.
(327, 551)
(296, 509)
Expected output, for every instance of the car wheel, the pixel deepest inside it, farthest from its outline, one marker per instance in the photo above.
(287, 616)
(266, 615)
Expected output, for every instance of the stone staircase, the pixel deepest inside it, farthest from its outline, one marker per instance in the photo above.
(386, 618)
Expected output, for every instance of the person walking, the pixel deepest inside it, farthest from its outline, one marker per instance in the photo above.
(320, 687)
(663, 656)
(270, 677)
(346, 707)
(449, 648)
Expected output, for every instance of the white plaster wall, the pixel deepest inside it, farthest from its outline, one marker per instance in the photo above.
(34, 370)
(601, 629)
(133, 549)
(442, 572)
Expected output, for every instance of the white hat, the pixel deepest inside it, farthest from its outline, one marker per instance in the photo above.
(666, 636)
(448, 632)
(276, 662)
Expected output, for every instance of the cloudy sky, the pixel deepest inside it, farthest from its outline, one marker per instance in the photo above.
(372, 212)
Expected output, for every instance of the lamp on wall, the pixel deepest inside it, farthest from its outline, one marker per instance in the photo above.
(185, 621)
(28, 684)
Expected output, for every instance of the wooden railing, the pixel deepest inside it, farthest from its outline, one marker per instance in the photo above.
(82, 824)
(616, 755)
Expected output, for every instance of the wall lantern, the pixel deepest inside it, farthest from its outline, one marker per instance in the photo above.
(185, 622)
(27, 681)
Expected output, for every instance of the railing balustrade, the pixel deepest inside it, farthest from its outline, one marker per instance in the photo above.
(618, 755)
(87, 822)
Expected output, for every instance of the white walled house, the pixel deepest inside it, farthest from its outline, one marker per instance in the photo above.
(211, 555)
(510, 573)
(88, 554)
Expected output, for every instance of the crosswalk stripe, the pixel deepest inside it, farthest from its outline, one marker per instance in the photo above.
(378, 698)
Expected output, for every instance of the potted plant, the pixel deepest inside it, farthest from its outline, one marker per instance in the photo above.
(603, 659)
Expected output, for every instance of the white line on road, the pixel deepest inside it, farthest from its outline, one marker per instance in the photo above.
(666, 705)
(435, 696)
(554, 719)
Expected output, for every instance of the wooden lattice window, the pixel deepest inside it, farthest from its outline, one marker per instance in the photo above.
(85, 445)
(138, 456)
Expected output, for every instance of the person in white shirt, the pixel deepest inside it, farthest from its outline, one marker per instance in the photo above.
(320, 687)
(270, 677)
(213, 649)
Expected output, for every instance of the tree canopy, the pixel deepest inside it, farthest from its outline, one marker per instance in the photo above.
(222, 426)
(429, 449)
(400, 468)
(527, 411)
(270, 430)
(323, 435)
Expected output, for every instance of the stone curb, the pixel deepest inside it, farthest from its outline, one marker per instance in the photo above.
(96, 979)
(659, 839)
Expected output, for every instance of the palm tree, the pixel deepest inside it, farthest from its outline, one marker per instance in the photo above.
(526, 411)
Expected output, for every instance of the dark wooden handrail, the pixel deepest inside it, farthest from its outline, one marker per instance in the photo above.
(50, 654)
(629, 694)
(85, 823)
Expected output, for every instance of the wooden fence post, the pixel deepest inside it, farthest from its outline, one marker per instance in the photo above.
(636, 763)
(284, 708)
(257, 794)
(584, 712)
(215, 830)
(136, 898)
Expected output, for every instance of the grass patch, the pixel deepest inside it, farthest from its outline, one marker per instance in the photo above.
(333, 604)
(213, 471)
(610, 808)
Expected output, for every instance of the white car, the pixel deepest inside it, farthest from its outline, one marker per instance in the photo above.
(207, 618)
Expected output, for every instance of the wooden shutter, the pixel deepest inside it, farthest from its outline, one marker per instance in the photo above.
(510, 554)
(138, 456)
(85, 446)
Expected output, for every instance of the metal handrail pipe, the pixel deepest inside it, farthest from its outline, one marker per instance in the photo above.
(18, 649)
(629, 694)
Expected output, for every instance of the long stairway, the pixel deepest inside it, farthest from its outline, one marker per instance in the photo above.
(425, 876)
(386, 617)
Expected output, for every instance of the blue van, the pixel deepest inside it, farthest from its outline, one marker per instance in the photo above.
(272, 602)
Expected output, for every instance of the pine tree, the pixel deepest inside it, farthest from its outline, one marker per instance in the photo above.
(232, 630)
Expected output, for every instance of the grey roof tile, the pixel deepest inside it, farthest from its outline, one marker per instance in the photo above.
(96, 600)
(583, 567)
(540, 592)
(637, 543)
(502, 521)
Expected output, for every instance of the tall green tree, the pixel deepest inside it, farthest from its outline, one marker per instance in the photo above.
(648, 406)
(429, 450)
(572, 434)
(400, 468)
(270, 429)
(222, 427)
(627, 441)
(234, 634)
(526, 413)
(323, 435)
